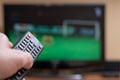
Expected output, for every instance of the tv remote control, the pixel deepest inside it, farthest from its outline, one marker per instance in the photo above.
(30, 44)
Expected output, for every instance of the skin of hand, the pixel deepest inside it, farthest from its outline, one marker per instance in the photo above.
(12, 60)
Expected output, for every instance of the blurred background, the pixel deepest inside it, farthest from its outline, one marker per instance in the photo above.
(112, 24)
(108, 35)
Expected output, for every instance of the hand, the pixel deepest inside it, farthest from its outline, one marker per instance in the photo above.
(12, 60)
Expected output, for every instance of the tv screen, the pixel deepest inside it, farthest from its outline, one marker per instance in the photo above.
(69, 33)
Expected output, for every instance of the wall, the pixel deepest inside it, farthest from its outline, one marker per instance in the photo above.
(112, 20)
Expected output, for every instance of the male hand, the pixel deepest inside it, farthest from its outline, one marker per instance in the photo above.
(12, 60)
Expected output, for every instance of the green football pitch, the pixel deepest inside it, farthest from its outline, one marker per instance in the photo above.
(67, 48)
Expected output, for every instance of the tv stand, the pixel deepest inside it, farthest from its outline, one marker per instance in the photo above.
(75, 76)
(55, 67)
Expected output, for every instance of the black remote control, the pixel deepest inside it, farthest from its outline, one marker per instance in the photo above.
(30, 44)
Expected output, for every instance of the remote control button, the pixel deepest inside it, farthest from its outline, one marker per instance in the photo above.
(17, 77)
(33, 54)
(35, 51)
(28, 50)
(28, 36)
(26, 40)
(34, 45)
(22, 71)
(19, 73)
(39, 47)
(23, 45)
(20, 47)
(30, 47)
(31, 41)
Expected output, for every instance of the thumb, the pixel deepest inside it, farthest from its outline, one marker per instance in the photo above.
(23, 59)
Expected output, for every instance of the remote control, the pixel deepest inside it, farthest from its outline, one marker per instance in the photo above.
(30, 44)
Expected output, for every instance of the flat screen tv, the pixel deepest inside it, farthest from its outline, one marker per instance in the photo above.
(71, 34)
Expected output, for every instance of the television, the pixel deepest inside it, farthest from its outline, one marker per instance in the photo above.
(72, 34)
